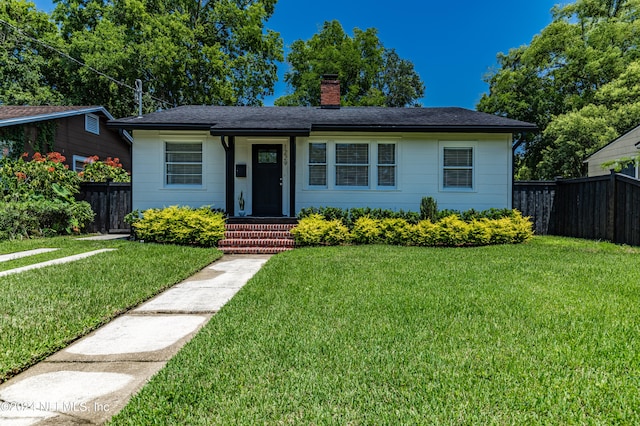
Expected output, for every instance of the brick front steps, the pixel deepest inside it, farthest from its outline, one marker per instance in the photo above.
(258, 237)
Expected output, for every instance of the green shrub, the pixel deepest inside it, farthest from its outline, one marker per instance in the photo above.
(336, 233)
(39, 198)
(480, 232)
(451, 231)
(471, 214)
(366, 231)
(424, 234)
(395, 231)
(428, 209)
(180, 225)
(44, 177)
(506, 230)
(349, 216)
(38, 218)
(315, 230)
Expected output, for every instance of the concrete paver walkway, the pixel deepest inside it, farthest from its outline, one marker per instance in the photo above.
(93, 379)
(59, 261)
(26, 253)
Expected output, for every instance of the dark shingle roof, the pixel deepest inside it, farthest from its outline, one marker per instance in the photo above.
(236, 120)
(14, 114)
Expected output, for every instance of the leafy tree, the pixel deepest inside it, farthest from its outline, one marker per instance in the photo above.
(185, 52)
(369, 74)
(28, 69)
(567, 82)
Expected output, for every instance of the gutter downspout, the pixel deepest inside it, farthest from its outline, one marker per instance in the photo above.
(230, 151)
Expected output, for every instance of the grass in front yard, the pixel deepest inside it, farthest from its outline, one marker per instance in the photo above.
(545, 332)
(43, 310)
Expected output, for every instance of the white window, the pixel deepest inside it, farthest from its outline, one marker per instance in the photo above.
(630, 170)
(5, 148)
(359, 165)
(92, 123)
(387, 164)
(183, 163)
(79, 163)
(352, 164)
(317, 164)
(457, 168)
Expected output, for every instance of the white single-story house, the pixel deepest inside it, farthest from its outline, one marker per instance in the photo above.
(626, 146)
(282, 159)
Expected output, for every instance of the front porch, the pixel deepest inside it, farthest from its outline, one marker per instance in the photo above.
(258, 235)
(260, 173)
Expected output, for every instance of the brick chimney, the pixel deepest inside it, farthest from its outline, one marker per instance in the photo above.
(330, 91)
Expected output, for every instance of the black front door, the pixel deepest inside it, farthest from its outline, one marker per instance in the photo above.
(267, 180)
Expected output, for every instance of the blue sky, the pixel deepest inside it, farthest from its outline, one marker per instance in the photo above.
(452, 44)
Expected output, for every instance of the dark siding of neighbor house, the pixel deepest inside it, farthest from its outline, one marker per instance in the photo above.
(73, 139)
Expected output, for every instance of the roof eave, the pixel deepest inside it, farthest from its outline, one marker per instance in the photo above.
(424, 129)
(53, 116)
(156, 126)
(258, 132)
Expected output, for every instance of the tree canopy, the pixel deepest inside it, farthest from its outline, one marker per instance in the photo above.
(369, 73)
(578, 81)
(215, 52)
(28, 73)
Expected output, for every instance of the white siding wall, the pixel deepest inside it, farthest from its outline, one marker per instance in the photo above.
(419, 174)
(418, 163)
(148, 182)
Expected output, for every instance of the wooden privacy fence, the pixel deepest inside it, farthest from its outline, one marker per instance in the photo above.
(111, 202)
(599, 208)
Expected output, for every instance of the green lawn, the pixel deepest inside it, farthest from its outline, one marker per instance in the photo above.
(546, 333)
(42, 310)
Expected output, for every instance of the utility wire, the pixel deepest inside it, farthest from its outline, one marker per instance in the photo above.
(65, 55)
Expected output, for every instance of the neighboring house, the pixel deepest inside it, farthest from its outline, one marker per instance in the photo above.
(77, 132)
(285, 158)
(626, 146)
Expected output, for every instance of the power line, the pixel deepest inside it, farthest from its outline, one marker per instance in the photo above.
(67, 56)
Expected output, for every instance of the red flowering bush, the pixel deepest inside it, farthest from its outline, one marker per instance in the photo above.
(100, 171)
(44, 177)
(38, 195)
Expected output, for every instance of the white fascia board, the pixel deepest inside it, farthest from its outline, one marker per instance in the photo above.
(53, 116)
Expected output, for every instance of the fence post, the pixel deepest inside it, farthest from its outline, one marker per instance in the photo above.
(611, 208)
(108, 224)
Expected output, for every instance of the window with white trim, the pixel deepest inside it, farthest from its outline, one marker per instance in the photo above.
(92, 123)
(317, 164)
(6, 148)
(457, 168)
(183, 163)
(352, 164)
(387, 164)
(630, 170)
(78, 163)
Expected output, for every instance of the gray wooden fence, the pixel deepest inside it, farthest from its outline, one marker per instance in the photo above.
(600, 208)
(111, 202)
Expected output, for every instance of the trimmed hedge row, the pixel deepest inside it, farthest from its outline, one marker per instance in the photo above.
(451, 231)
(427, 211)
(178, 225)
